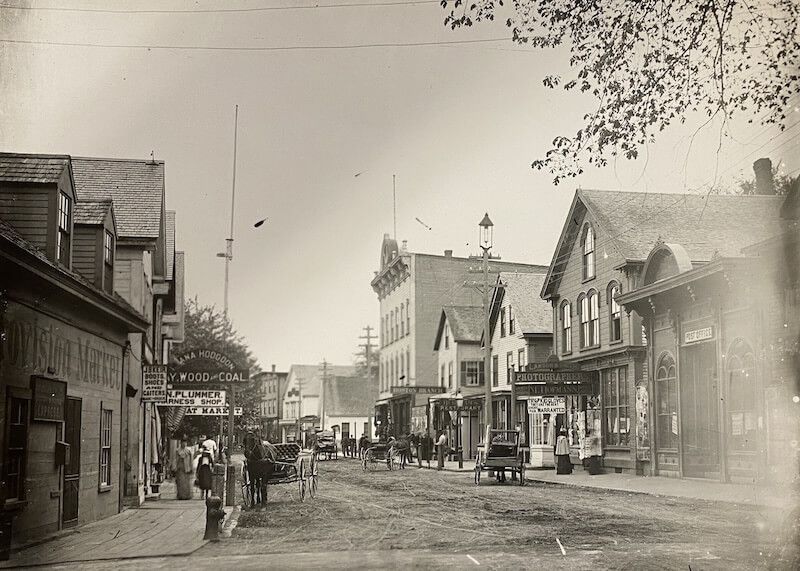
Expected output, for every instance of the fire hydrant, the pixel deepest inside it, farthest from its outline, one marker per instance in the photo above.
(214, 516)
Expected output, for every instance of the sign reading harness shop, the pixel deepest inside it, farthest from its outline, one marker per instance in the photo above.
(204, 398)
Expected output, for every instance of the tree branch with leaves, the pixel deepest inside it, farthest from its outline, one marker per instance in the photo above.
(652, 63)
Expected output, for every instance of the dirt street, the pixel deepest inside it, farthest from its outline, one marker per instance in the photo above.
(445, 519)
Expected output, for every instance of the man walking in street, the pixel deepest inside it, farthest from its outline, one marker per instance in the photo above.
(441, 444)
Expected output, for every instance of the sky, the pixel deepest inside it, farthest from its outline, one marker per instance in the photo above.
(321, 132)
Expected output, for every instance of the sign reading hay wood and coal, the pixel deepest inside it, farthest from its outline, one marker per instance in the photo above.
(154, 383)
(206, 367)
(212, 411)
(195, 398)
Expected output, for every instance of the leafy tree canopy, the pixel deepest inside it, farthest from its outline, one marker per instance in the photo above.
(650, 63)
(208, 328)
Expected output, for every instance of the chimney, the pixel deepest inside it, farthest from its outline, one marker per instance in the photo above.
(764, 182)
(448, 253)
(273, 368)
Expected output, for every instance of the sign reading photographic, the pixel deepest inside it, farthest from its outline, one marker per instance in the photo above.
(49, 399)
(195, 398)
(698, 335)
(547, 405)
(212, 411)
(154, 383)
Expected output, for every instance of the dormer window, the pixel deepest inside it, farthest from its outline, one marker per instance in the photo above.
(108, 252)
(587, 243)
(64, 228)
(502, 322)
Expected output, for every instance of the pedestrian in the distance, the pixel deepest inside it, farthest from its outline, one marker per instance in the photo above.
(563, 464)
(183, 471)
(205, 465)
(426, 449)
(363, 444)
(413, 447)
(441, 445)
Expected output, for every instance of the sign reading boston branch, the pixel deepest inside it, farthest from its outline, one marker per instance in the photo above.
(398, 390)
(195, 398)
(154, 383)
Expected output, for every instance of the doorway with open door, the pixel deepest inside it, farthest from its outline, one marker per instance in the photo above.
(699, 413)
(71, 485)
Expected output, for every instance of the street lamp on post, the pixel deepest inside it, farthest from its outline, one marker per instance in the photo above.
(486, 238)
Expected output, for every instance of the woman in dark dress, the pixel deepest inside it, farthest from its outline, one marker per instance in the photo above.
(563, 464)
(204, 467)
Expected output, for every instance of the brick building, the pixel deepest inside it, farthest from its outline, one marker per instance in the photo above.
(272, 386)
(412, 288)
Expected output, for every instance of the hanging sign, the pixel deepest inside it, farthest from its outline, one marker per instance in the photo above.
(212, 411)
(207, 376)
(49, 399)
(547, 405)
(154, 383)
(203, 398)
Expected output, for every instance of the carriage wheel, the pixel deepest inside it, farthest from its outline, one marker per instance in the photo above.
(477, 475)
(364, 462)
(313, 475)
(301, 479)
(247, 496)
(522, 475)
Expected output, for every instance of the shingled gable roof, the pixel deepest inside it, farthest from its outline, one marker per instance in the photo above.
(17, 167)
(349, 396)
(136, 186)
(466, 324)
(310, 376)
(532, 315)
(92, 211)
(630, 223)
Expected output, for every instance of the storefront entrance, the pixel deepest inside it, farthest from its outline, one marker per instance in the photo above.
(699, 392)
(72, 469)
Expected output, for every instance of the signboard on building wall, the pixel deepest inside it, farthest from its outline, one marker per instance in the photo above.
(419, 419)
(695, 335)
(207, 376)
(642, 434)
(49, 399)
(212, 411)
(554, 389)
(547, 405)
(154, 383)
(396, 390)
(195, 398)
(554, 376)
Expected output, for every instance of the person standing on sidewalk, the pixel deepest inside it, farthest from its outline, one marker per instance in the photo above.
(425, 449)
(563, 464)
(205, 466)
(183, 471)
(441, 445)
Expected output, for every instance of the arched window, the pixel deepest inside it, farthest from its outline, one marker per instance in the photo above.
(566, 327)
(742, 418)
(590, 322)
(614, 313)
(587, 243)
(666, 402)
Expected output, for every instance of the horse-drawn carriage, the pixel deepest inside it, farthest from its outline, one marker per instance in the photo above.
(269, 464)
(325, 445)
(500, 453)
(380, 452)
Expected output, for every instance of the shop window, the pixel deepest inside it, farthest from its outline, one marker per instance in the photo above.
(666, 402)
(614, 313)
(495, 367)
(539, 425)
(502, 322)
(64, 228)
(615, 406)
(509, 365)
(566, 327)
(587, 244)
(510, 321)
(742, 419)
(16, 448)
(471, 373)
(105, 447)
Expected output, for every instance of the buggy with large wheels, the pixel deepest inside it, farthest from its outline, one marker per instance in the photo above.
(500, 453)
(378, 452)
(325, 445)
(288, 466)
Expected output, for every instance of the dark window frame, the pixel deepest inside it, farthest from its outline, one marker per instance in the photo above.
(14, 452)
(105, 476)
(615, 398)
(64, 229)
(588, 243)
(614, 313)
(566, 327)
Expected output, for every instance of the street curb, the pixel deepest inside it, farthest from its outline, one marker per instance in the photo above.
(231, 521)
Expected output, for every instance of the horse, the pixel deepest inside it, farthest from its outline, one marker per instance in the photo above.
(260, 466)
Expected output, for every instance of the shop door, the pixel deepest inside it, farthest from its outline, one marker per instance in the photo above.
(699, 412)
(72, 470)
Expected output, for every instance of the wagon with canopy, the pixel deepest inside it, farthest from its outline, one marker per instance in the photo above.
(500, 452)
(268, 464)
(325, 445)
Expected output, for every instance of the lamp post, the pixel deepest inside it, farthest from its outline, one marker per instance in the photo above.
(459, 451)
(485, 238)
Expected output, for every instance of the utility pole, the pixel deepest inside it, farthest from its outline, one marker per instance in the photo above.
(368, 350)
(322, 392)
